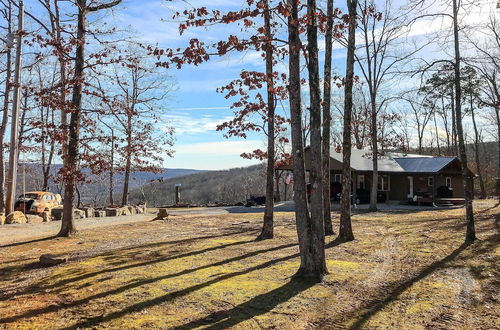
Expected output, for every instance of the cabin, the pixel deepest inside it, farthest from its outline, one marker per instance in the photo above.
(404, 178)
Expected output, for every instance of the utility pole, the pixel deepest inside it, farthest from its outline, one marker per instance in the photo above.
(14, 131)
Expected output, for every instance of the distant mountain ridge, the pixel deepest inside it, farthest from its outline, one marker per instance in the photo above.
(96, 191)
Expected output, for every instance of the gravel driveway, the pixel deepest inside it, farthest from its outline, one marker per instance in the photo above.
(14, 233)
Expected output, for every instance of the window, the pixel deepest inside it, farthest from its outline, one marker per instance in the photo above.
(338, 178)
(448, 182)
(430, 181)
(361, 182)
(383, 183)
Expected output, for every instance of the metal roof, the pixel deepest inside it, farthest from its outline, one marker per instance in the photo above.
(424, 164)
(361, 160)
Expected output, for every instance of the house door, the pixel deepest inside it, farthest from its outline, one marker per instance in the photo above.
(410, 187)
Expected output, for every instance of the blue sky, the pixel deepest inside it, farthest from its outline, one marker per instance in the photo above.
(196, 108)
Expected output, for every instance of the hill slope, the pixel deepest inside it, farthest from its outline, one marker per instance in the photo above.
(229, 186)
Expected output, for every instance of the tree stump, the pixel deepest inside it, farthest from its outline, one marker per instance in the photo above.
(162, 214)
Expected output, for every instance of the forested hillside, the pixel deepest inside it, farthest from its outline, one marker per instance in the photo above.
(95, 190)
(228, 186)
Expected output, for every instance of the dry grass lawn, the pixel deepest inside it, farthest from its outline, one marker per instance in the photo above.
(403, 271)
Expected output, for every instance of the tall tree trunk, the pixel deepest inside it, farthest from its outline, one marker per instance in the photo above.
(327, 119)
(345, 231)
(67, 224)
(374, 137)
(497, 188)
(128, 163)
(496, 92)
(5, 115)
(454, 123)
(310, 256)
(268, 225)
(467, 181)
(316, 168)
(476, 151)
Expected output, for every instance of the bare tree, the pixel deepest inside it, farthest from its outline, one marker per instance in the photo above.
(312, 257)
(327, 119)
(345, 231)
(422, 111)
(71, 166)
(467, 180)
(487, 64)
(7, 14)
(382, 49)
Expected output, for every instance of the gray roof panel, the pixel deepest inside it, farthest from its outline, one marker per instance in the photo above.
(424, 164)
(361, 160)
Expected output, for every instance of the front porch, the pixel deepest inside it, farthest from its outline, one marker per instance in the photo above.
(404, 188)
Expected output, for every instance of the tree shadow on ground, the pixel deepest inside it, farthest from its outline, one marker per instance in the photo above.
(372, 308)
(256, 306)
(139, 306)
(142, 264)
(28, 242)
(170, 296)
(7, 271)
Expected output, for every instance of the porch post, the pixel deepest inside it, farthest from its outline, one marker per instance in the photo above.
(355, 185)
(433, 188)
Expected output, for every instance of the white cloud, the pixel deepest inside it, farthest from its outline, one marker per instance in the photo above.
(187, 124)
(222, 148)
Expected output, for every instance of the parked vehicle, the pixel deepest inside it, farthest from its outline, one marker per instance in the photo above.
(255, 200)
(36, 202)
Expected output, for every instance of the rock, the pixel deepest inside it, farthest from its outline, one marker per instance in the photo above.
(132, 210)
(125, 210)
(89, 212)
(52, 260)
(162, 214)
(46, 216)
(2, 218)
(113, 212)
(99, 213)
(78, 214)
(140, 209)
(16, 217)
(31, 218)
(56, 213)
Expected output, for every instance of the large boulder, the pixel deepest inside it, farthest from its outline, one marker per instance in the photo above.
(2, 218)
(46, 216)
(140, 209)
(52, 260)
(99, 213)
(124, 210)
(132, 210)
(32, 218)
(78, 214)
(113, 212)
(89, 212)
(16, 217)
